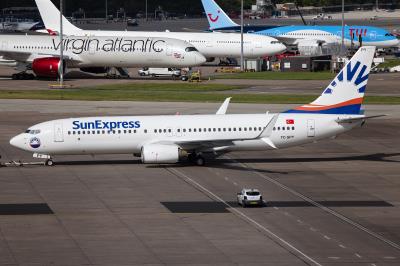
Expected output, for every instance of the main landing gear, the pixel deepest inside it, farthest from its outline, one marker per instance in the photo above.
(23, 76)
(196, 159)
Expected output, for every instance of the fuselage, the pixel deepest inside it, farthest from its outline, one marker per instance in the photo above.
(128, 134)
(85, 51)
(209, 44)
(370, 36)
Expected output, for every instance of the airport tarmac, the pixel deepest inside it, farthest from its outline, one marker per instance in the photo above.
(334, 202)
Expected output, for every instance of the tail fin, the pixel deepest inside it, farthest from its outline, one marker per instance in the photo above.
(345, 93)
(217, 18)
(51, 18)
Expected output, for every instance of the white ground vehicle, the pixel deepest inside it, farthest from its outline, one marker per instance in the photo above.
(395, 69)
(248, 197)
(160, 72)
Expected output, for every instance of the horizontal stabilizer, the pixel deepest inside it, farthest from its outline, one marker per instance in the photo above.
(357, 119)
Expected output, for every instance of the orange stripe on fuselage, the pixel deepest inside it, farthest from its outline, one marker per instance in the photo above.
(319, 108)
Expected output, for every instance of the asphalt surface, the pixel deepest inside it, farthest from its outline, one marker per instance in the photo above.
(334, 202)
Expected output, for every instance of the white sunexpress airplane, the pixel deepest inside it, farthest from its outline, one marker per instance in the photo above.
(166, 139)
(304, 35)
(41, 54)
(211, 45)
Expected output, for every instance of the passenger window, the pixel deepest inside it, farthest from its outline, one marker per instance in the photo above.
(245, 129)
(179, 130)
(79, 132)
(184, 130)
(240, 129)
(288, 128)
(194, 130)
(234, 129)
(229, 129)
(69, 132)
(274, 129)
(94, 132)
(155, 130)
(224, 129)
(214, 129)
(119, 131)
(145, 131)
(104, 132)
(165, 131)
(199, 129)
(260, 128)
(279, 128)
(292, 128)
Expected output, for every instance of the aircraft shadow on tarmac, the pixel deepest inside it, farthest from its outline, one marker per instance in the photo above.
(223, 163)
(222, 207)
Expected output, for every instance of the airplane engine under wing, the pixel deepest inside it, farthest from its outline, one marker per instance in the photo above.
(46, 67)
(160, 153)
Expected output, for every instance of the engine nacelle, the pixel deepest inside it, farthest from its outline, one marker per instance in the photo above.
(95, 70)
(47, 67)
(160, 153)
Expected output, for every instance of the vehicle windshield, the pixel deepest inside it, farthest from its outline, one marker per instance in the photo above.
(253, 193)
(191, 49)
(32, 131)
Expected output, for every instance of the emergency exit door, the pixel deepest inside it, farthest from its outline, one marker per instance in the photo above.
(58, 132)
(311, 128)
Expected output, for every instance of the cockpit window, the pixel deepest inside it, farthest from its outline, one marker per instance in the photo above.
(191, 49)
(275, 42)
(32, 131)
(389, 34)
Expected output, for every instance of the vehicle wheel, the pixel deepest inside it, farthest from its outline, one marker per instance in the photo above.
(14, 77)
(49, 162)
(31, 77)
(200, 161)
(244, 204)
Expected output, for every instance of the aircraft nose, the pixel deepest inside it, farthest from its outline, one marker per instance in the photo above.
(200, 59)
(17, 142)
(280, 48)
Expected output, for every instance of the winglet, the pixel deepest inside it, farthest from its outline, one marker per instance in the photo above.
(224, 107)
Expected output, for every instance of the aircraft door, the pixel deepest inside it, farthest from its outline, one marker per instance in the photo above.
(310, 128)
(58, 132)
(178, 132)
(169, 50)
(4, 45)
(169, 132)
(372, 35)
(92, 48)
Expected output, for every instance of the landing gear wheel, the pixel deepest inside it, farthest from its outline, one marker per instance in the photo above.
(200, 161)
(49, 162)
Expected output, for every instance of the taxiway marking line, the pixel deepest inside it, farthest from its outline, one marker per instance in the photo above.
(320, 206)
(241, 214)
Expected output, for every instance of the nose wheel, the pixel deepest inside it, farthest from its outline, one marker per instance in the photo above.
(49, 162)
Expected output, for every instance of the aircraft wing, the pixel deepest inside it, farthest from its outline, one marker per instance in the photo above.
(29, 57)
(217, 143)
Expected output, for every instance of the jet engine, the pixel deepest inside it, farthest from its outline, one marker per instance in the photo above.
(160, 153)
(46, 67)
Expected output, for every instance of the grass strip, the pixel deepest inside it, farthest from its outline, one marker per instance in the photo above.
(279, 75)
(181, 96)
